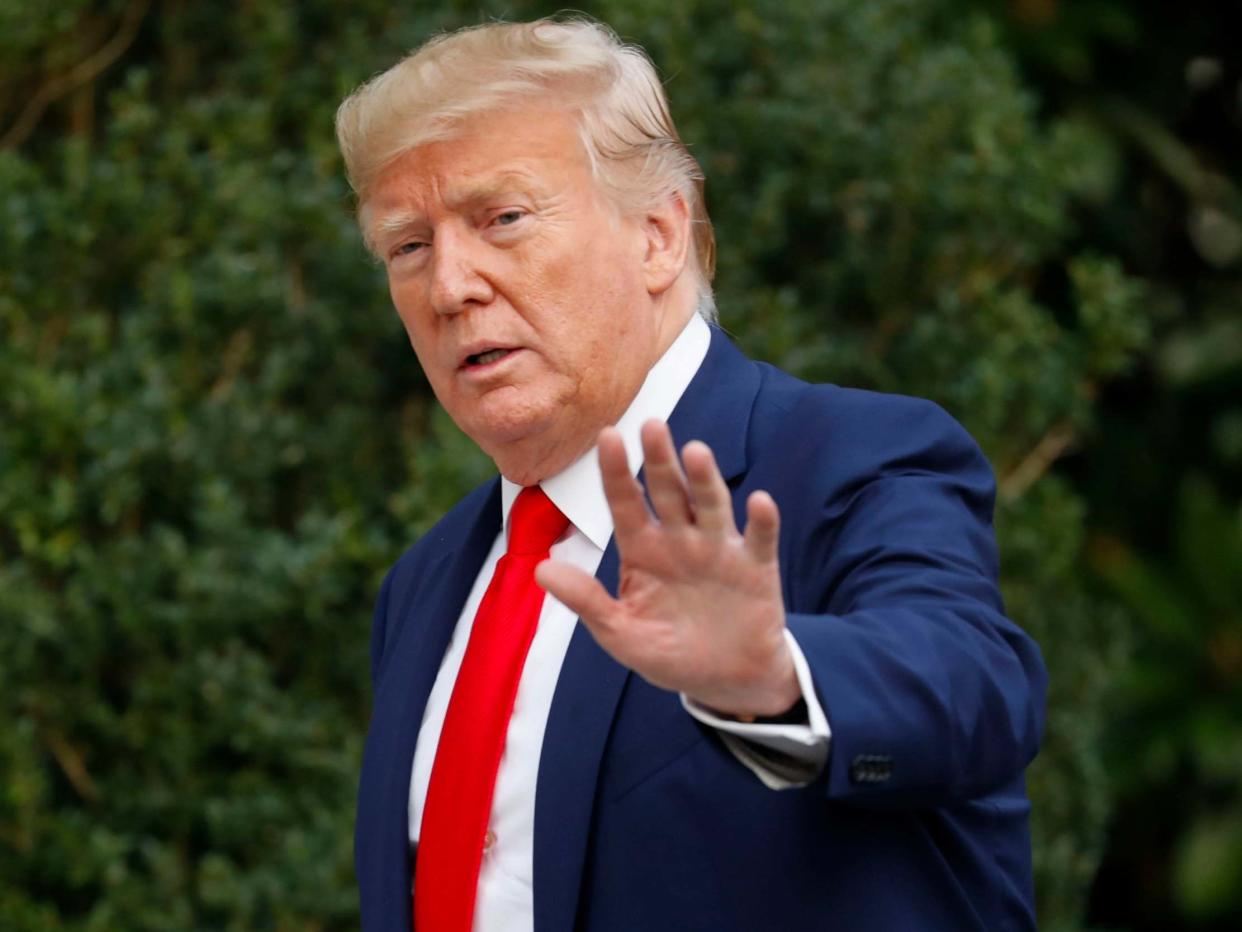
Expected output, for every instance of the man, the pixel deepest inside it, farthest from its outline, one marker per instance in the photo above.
(770, 685)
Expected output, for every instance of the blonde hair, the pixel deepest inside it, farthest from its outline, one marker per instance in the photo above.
(629, 137)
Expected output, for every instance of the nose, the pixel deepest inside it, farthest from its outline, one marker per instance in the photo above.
(458, 281)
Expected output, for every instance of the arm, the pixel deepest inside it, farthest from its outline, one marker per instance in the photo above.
(901, 622)
(887, 582)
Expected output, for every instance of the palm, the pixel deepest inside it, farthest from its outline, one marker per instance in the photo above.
(698, 608)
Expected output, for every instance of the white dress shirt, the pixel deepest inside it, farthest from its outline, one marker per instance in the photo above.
(780, 755)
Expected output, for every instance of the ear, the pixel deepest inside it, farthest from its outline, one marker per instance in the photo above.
(667, 232)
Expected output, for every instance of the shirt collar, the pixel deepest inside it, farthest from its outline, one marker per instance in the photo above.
(578, 490)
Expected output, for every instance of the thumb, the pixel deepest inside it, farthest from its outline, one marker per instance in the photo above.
(581, 593)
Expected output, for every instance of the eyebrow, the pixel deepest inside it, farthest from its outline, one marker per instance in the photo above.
(395, 221)
(392, 222)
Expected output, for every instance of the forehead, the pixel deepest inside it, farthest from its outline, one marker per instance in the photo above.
(535, 149)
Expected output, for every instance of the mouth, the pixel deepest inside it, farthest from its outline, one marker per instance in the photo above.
(487, 357)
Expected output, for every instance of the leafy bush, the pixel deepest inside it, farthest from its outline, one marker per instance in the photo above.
(213, 438)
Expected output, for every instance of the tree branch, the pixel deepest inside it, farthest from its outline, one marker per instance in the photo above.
(1051, 447)
(86, 70)
(72, 765)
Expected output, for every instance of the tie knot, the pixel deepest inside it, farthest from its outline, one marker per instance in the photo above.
(534, 523)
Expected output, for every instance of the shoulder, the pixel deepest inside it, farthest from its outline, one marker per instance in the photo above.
(852, 431)
(866, 479)
(446, 536)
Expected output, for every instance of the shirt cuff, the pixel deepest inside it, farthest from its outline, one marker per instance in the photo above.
(781, 755)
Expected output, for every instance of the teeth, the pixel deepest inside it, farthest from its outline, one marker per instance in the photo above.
(483, 359)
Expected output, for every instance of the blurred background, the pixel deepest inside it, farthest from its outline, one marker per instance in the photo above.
(214, 437)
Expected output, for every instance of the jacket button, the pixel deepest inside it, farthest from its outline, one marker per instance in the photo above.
(871, 768)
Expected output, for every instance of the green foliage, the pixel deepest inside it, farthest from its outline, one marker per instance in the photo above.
(213, 436)
(1162, 87)
(1190, 648)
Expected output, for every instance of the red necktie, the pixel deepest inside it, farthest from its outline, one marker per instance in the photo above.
(463, 775)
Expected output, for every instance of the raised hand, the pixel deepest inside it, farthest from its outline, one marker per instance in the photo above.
(699, 607)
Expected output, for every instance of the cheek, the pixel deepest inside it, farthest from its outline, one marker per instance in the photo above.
(589, 298)
(415, 331)
(412, 312)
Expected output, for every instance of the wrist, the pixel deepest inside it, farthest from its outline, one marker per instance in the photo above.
(796, 714)
(778, 700)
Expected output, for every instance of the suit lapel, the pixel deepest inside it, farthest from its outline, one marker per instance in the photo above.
(715, 408)
(428, 615)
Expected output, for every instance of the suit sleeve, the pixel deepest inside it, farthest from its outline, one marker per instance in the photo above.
(931, 692)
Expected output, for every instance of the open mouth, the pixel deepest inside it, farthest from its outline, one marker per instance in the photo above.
(485, 358)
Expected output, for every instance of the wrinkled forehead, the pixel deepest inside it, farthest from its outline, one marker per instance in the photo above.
(533, 149)
(416, 129)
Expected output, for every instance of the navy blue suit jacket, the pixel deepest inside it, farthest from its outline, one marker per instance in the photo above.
(643, 819)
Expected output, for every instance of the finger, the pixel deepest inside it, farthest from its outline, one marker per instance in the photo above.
(624, 494)
(580, 592)
(665, 482)
(587, 598)
(713, 505)
(763, 527)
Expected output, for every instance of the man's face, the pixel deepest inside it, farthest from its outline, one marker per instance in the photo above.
(520, 285)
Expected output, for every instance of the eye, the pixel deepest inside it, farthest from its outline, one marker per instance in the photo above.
(405, 249)
(508, 217)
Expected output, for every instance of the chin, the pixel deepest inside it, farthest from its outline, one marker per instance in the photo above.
(528, 444)
(505, 426)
